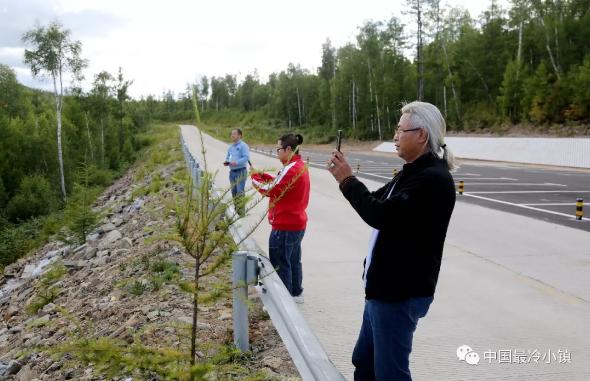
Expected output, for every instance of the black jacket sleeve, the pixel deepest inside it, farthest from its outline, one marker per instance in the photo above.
(378, 194)
(381, 214)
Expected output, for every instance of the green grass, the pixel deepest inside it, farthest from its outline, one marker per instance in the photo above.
(166, 269)
(137, 287)
(46, 292)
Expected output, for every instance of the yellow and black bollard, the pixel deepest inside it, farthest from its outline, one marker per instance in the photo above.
(579, 209)
(461, 187)
(358, 167)
(307, 160)
(394, 172)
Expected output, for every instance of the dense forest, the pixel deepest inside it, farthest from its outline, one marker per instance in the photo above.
(59, 149)
(529, 65)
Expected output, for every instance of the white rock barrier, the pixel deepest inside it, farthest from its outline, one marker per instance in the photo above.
(562, 152)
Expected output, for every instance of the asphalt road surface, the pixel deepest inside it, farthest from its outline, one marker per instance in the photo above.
(545, 193)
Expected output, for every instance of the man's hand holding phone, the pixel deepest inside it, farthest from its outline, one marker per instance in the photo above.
(339, 167)
(338, 145)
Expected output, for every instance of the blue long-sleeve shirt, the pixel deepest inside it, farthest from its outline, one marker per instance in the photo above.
(238, 152)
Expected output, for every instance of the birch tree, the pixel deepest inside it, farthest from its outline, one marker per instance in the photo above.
(121, 89)
(417, 10)
(101, 91)
(54, 55)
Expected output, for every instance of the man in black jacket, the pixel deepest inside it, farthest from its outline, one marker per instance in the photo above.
(409, 217)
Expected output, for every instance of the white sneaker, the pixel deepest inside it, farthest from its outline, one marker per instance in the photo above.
(298, 299)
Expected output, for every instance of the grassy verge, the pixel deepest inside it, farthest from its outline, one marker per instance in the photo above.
(157, 347)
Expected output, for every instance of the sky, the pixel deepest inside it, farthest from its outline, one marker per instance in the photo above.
(163, 45)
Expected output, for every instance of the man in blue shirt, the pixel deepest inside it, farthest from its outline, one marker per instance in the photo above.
(237, 158)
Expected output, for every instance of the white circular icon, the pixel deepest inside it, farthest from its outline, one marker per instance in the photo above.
(472, 358)
(462, 351)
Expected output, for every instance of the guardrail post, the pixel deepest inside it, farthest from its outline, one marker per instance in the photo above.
(240, 295)
(244, 273)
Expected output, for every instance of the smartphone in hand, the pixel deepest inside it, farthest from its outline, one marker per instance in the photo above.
(339, 140)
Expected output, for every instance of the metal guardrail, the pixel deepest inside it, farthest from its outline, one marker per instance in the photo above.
(252, 268)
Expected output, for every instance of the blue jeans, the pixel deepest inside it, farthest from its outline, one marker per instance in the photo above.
(237, 180)
(382, 351)
(284, 249)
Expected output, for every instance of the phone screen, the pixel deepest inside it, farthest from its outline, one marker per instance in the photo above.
(339, 140)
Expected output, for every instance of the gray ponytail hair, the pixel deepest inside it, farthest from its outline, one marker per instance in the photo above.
(427, 116)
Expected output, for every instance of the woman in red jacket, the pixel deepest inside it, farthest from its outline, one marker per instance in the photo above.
(289, 196)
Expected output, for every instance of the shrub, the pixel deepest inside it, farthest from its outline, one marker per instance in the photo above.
(99, 176)
(80, 218)
(3, 194)
(34, 198)
(16, 241)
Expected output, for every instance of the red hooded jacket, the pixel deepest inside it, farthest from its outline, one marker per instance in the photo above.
(289, 195)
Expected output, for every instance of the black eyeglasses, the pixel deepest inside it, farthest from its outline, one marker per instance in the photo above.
(278, 149)
(399, 130)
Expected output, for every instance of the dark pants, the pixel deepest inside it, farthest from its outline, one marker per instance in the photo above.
(284, 249)
(382, 351)
(237, 179)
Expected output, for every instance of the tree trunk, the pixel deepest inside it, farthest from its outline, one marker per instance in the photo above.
(556, 46)
(548, 47)
(350, 107)
(102, 138)
(419, 55)
(298, 105)
(353, 105)
(388, 118)
(378, 117)
(371, 94)
(303, 107)
(445, 99)
(519, 52)
(333, 104)
(121, 131)
(455, 98)
(195, 313)
(89, 137)
(58, 101)
(333, 95)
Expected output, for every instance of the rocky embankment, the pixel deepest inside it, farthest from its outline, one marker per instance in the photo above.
(122, 283)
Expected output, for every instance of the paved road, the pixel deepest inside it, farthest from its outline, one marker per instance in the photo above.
(548, 194)
(512, 287)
